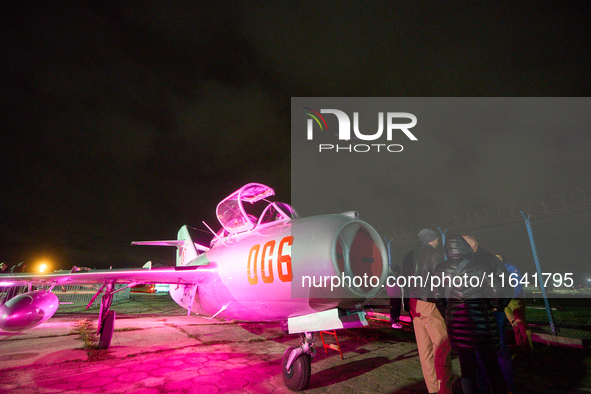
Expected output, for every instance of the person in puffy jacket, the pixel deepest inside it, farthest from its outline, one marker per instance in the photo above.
(495, 265)
(467, 297)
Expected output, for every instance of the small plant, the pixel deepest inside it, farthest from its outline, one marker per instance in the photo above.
(87, 335)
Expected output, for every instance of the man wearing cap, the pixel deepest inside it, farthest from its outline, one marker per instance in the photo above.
(429, 326)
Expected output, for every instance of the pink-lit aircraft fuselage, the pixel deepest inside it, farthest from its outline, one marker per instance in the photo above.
(256, 268)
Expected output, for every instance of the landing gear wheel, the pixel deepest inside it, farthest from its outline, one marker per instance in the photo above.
(298, 376)
(107, 331)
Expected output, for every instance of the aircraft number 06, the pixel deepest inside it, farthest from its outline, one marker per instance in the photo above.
(283, 262)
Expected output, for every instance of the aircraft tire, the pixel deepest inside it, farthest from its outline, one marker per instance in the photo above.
(298, 376)
(107, 331)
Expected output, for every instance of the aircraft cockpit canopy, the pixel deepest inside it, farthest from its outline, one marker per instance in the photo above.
(231, 213)
(277, 211)
(234, 218)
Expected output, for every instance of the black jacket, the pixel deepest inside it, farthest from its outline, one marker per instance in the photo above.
(468, 308)
(497, 267)
(420, 262)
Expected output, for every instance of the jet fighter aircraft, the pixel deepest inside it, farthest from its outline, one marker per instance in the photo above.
(265, 268)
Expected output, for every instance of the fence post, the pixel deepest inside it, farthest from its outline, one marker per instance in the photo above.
(443, 241)
(389, 252)
(539, 269)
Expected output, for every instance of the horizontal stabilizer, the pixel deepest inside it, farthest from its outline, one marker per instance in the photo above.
(175, 242)
(159, 243)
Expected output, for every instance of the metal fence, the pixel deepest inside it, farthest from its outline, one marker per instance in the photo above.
(561, 249)
(69, 296)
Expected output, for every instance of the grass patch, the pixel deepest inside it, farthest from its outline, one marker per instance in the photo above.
(87, 335)
(128, 329)
(574, 312)
(219, 342)
(89, 338)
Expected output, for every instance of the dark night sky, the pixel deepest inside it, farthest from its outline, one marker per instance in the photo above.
(471, 154)
(122, 122)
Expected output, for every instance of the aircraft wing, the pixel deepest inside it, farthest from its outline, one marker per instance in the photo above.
(170, 275)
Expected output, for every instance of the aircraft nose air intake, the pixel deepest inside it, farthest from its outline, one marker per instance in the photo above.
(359, 255)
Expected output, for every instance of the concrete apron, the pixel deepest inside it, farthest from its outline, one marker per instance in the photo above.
(193, 354)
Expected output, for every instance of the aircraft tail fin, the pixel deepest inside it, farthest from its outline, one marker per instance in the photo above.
(187, 250)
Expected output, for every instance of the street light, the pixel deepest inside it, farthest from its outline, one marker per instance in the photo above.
(43, 266)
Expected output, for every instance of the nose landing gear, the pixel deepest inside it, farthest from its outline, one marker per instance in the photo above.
(296, 364)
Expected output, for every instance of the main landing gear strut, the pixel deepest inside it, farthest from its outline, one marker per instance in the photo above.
(106, 321)
(296, 365)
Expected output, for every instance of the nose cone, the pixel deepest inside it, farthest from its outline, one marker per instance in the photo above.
(27, 310)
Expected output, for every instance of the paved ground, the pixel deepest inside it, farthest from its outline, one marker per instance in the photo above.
(157, 349)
